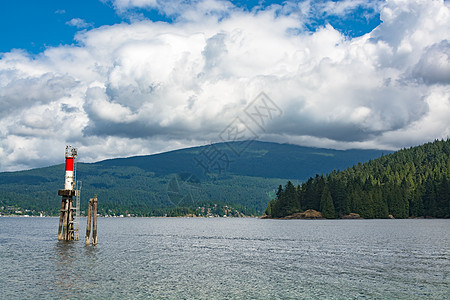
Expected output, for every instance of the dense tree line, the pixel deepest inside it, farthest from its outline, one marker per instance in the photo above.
(411, 182)
(130, 190)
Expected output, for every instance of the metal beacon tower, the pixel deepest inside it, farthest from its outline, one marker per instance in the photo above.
(68, 225)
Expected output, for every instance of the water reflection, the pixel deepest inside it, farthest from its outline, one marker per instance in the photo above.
(66, 274)
(74, 265)
(91, 254)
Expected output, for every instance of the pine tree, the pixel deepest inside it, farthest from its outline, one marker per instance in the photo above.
(442, 199)
(380, 207)
(416, 203)
(287, 201)
(292, 202)
(429, 198)
(326, 204)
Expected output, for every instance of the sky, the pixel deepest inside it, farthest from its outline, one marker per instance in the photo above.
(118, 78)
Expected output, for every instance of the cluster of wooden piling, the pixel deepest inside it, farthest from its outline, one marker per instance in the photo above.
(66, 229)
(92, 214)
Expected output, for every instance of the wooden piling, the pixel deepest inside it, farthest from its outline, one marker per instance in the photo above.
(92, 214)
(94, 221)
(88, 226)
(70, 227)
(66, 220)
(61, 220)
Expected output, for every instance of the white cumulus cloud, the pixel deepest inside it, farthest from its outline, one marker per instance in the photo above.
(78, 23)
(147, 87)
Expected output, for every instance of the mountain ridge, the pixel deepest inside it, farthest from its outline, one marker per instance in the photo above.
(153, 184)
(290, 169)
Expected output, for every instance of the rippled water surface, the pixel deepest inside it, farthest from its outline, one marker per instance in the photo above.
(216, 258)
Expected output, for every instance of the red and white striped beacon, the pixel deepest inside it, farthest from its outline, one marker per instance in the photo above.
(69, 179)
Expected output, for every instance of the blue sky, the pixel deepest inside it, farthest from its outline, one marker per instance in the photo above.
(35, 25)
(119, 78)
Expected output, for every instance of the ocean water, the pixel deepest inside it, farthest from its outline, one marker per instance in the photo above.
(219, 258)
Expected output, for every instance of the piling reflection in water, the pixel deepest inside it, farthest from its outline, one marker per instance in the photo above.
(70, 266)
(64, 257)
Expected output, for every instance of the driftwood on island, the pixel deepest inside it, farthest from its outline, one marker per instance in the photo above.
(312, 214)
(352, 216)
(309, 214)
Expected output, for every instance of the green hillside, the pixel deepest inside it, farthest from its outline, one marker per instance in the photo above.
(240, 175)
(409, 183)
(258, 159)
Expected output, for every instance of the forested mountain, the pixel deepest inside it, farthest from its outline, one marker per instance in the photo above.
(240, 174)
(409, 183)
(250, 158)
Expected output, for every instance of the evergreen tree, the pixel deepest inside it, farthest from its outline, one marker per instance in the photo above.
(279, 191)
(416, 203)
(410, 182)
(442, 199)
(268, 211)
(429, 198)
(326, 204)
(287, 201)
(380, 207)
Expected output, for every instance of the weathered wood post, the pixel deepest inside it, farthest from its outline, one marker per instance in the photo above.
(88, 226)
(70, 231)
(61, 220)
(66, 220)
(94, 221)
(92, 214)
